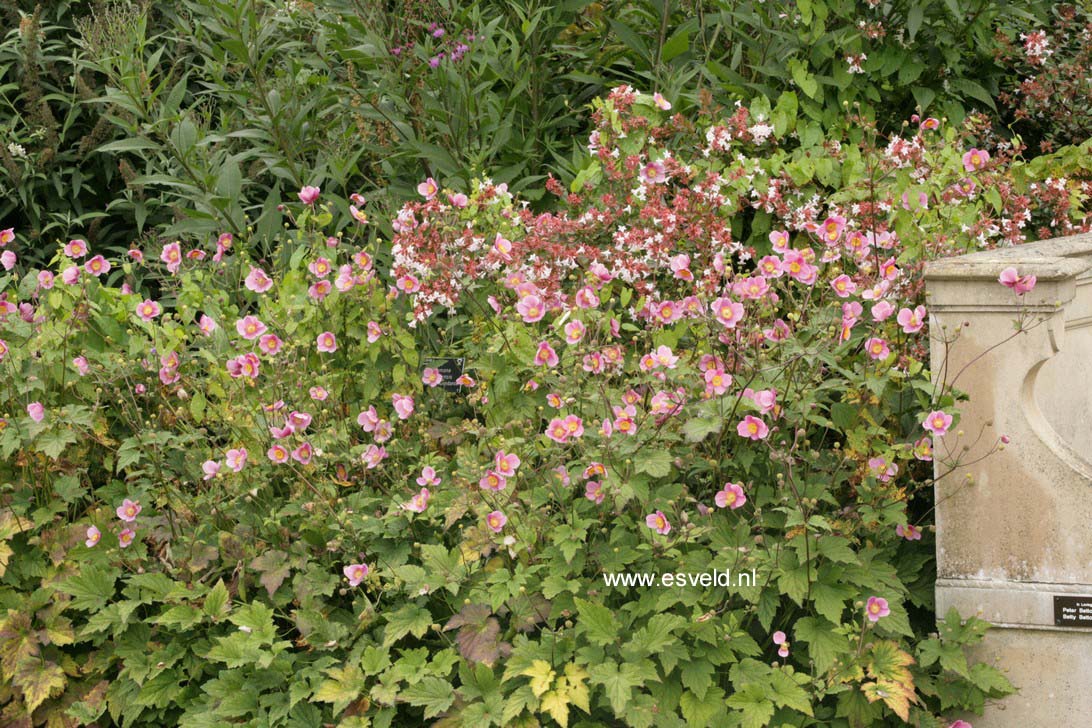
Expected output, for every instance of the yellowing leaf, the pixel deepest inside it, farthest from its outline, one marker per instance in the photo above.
(60, 632)
(557, 705)
(38, 679)
(542, 677)
(355, 721)
(887, 662)
(5, 555)
(18, 642)
(11, 524)
(892, 694)
(577, 689)
(519, 700)
(471, 549)
(894, 682)
(847, 672)
(341, 688)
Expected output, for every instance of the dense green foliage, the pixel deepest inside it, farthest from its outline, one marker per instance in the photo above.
(189, 477)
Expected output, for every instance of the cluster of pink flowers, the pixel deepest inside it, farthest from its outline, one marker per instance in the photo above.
(504, 467)
(663, 233)
(660, 230)
(235, 459)
(245, 366)
(127, 512)
(593, 489)
(295, 423)
(444, 46)
(564, 429)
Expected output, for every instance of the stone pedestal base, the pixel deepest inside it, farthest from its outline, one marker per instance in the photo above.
(1050, 666)
(1052, 671)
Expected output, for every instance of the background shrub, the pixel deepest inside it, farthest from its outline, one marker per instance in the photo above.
(888, 57)
(54, 184)
(1048, 66)
(198, 117)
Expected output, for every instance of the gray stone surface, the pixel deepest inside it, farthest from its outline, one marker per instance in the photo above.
(1014, 527)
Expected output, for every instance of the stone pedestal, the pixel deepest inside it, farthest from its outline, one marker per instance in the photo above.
(1014, 528)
